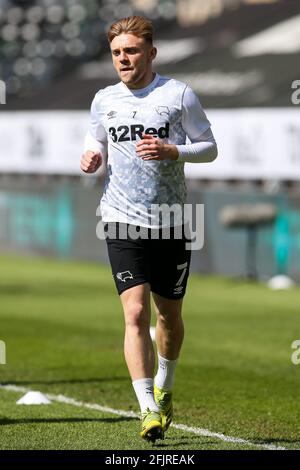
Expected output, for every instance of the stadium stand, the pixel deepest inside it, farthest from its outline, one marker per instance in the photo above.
(49, 49)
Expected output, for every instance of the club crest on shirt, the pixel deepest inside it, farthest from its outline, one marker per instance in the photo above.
(163, 110)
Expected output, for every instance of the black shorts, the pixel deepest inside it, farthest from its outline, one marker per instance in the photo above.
(162, 262)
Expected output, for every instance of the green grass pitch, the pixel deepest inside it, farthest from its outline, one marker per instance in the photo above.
(63, 328)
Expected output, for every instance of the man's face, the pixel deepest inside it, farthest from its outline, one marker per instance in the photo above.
(132, 58)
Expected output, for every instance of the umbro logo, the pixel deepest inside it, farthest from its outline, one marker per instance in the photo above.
(178, 290)
(112, 114)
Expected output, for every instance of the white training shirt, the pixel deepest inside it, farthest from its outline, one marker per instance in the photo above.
(169, 110)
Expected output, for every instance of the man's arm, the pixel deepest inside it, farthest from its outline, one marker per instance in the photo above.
(92, 157)
(90, 143)
(201, 150)
(202, 147)
(95, 143)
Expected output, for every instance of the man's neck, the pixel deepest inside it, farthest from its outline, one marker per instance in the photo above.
(144, 84)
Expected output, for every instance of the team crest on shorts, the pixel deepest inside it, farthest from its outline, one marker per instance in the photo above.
(124, 276)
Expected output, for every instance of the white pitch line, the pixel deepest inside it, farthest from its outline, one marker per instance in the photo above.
(131, 414)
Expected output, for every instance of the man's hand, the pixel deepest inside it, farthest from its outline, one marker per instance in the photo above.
(151, 148)
(90, 161)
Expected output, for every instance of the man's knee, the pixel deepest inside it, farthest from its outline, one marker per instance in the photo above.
(136, 315)
(168, 311)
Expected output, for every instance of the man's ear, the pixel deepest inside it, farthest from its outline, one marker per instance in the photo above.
(153, 53)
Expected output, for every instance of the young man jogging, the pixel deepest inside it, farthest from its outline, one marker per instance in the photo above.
(142, 123)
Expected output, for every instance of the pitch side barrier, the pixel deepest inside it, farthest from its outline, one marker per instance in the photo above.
(256, 143)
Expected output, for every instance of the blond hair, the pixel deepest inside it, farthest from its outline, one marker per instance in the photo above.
(137, 25)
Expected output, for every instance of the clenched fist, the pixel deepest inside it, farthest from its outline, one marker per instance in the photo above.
(90, 161)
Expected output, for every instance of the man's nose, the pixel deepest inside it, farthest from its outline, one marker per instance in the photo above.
(123, 57)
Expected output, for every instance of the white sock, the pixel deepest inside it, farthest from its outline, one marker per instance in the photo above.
(144, 391)
(165, 373)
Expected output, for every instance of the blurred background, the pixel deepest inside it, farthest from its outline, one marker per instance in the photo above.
(240, 56)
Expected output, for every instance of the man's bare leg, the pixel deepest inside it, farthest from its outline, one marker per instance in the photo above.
(138, 347)
(169, 332)
(169, 338)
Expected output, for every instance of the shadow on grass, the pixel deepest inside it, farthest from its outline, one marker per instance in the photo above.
(64, 381)
(9, 421)
(182, 441)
